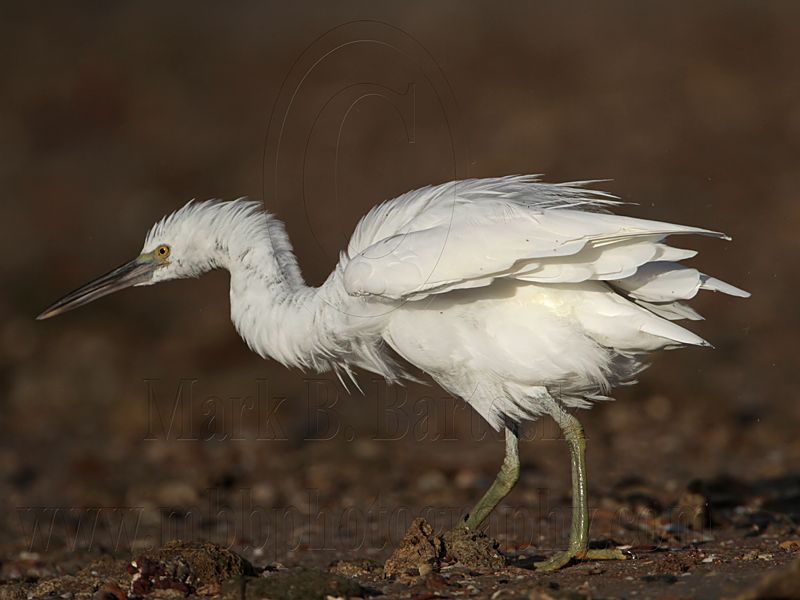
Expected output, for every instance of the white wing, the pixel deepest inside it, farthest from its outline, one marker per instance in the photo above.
(468, 233)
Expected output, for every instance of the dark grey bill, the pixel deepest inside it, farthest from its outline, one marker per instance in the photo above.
(131, 273)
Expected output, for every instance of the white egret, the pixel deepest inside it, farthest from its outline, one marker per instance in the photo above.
(521, 297)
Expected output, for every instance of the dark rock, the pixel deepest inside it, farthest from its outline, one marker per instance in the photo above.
(184, 567)
(110, 591)
(663, 578)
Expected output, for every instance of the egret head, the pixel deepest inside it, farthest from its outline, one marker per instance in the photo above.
(183, 244)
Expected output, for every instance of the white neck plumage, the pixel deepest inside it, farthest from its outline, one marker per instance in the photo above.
(273, 309)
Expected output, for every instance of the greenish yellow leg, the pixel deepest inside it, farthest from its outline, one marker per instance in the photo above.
(579, 530)
(502, 485)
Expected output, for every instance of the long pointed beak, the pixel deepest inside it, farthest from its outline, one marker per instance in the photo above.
(131, 273)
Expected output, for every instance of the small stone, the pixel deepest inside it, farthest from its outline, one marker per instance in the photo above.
(209, 589)
(658, 407)
(469, 479)
(790, 545)
(367, 449)
(431, 481)
(177, 494)
(356, 568)
(264, 494)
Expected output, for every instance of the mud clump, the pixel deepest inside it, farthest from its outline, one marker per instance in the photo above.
(297, 584)
(77, 586)
(103, 574)
(418, 554)
(421, 552)
(184, 567)
(364, 567)
(13, 591)
(473, 549)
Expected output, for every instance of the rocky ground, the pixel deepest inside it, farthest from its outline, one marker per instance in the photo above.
(363, 517)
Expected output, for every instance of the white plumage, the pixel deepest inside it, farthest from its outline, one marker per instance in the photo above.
(504, 290)
(521, 297)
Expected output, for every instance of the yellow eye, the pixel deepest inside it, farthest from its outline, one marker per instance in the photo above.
(162, 251)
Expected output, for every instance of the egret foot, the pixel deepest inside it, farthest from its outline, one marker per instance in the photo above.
(562, 559)
(509, 474)
(579, 530)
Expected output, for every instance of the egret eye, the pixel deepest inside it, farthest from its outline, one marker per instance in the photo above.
(162, 251)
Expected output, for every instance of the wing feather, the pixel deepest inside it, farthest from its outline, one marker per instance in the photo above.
(466, 234)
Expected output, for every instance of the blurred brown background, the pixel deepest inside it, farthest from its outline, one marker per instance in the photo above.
(114, 114)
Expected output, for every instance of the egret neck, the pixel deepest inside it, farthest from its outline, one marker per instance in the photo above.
(272, 308)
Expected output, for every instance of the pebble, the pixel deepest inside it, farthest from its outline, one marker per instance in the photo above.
(468, 479)
(790, 545)
(431, 481)
(175, 494)
(710, 558)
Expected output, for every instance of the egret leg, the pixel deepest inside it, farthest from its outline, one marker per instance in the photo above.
(579, 530)
(502, 485)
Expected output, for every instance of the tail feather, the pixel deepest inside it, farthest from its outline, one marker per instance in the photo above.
(665, 281)
(716, 285)
(673, 311)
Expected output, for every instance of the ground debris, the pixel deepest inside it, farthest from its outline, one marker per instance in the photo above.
(364, 567)
(776, 585)
(73, 586)
(13, 591)
(103, 574)
(294, 584)
(553, 592)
